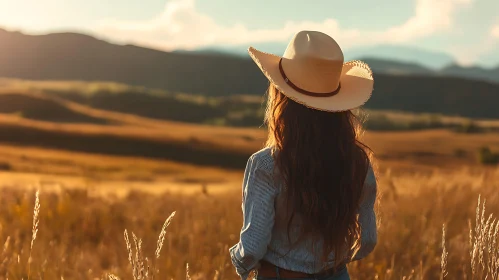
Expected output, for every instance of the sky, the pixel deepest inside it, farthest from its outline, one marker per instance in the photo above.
(466, 29)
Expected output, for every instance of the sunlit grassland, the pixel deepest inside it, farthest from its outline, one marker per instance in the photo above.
(427, 179)
(80, 236)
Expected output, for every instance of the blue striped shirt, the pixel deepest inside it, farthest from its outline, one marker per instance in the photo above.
(264, 232)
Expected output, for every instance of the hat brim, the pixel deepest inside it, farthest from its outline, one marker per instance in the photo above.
(356, 84)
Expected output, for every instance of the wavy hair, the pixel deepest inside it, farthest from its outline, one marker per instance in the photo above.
(323, 165)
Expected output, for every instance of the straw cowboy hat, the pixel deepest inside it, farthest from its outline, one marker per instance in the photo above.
(311, 72)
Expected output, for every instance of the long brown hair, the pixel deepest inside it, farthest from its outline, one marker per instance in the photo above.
(324, 166)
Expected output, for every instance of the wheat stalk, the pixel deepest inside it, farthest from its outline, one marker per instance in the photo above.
(187, 276)
(490, 246)
(443, 263)
(36, 220)
(161, 240)
(6, 245)
(112, 277)
(130, 255)
(494, 260)
(484, 249)
(139, 262)
(162, 235)
(4, 253)
(475, 240)
(147, 269)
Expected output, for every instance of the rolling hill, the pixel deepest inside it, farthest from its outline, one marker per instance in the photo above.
(45, 100)
(130, 135)
(472, 72)
(70, 56)
(84, 129)
(429, 59)
(39, 107)
(106, 103)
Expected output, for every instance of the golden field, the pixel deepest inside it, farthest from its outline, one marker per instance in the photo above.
(88, 200)
(110, 171)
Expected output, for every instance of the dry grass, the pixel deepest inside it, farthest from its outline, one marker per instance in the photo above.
(484, 252)
(79, 236)
(445, 254)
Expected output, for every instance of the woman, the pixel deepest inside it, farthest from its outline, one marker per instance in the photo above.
(308, 197)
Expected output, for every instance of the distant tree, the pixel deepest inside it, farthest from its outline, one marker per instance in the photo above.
(486, 156)
(5, 166)
(469, 127)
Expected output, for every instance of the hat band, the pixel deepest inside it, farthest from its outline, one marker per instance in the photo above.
(306, 92)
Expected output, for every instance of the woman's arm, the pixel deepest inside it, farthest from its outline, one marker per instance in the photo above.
(258, 216)
(367, 217)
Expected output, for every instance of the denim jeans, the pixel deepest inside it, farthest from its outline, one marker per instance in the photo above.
(342, 274)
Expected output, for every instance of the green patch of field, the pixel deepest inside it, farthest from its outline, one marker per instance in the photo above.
(235, 111)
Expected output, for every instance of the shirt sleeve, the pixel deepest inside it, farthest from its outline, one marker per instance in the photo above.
(367, 217)
(258, 217)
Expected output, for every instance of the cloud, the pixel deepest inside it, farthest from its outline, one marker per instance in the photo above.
(494, 31)
(468, 54)
(431, 16)
(181, 26)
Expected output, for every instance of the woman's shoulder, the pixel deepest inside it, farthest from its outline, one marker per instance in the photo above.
(263, 157)
(371, 176)
(261, 164)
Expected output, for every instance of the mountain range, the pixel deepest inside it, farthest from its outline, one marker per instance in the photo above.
(388, 59)
(430, 59)
(453, 70)
(72, 56)
(398, 85)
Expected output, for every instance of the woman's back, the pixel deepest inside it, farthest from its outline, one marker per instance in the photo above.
(265, 207)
